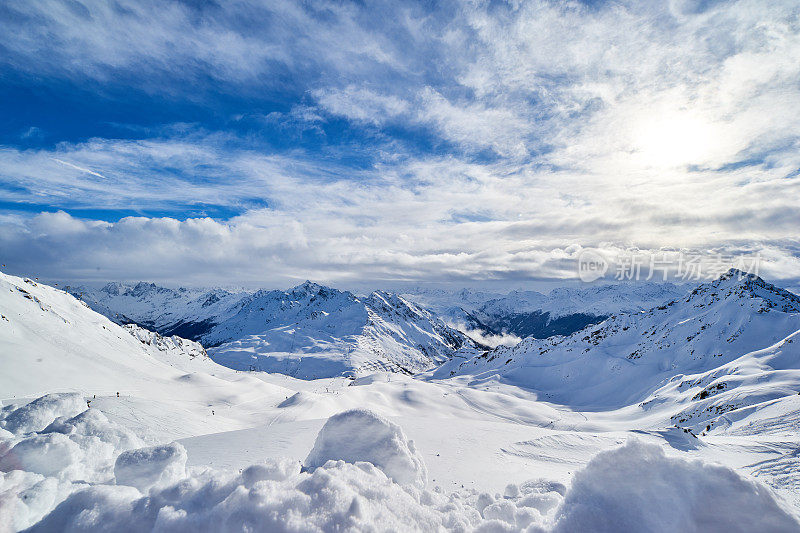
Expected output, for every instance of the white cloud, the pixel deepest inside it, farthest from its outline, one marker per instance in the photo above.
(488, 339)
(476, 125)
(361, 104)
(654, 125)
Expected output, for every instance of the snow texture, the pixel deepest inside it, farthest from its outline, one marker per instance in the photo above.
(149, 467)
(638, 488)
(39, 413)
(362, 435)
(633, 488)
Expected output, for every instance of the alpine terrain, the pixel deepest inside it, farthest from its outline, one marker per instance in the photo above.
(683, 414)
(309, 331)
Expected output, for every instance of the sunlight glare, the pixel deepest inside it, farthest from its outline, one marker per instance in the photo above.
(674, 140)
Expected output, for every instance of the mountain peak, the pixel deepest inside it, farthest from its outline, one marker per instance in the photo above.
(113, 288)
(307, 287)
(143, 288)
(737, 284)
(737, 274)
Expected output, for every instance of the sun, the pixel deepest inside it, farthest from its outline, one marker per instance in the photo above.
(674, 140)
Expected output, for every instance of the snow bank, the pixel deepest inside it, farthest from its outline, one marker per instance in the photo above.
(41, 411)
(638, 488)
(51, 447)
(275, 470)
(362, 435)
(336, 497)
(84, 487)
(153, 466)
(93, 423)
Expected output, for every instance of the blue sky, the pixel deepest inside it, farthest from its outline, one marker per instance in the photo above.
(376, 142)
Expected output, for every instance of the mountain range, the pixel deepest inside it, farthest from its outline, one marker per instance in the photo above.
(308, 331)
(562, 311)
(709, 357)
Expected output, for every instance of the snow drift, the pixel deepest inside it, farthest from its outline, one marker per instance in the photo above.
(638, 488)
(362, 435)
(151, 467)
(632, 488)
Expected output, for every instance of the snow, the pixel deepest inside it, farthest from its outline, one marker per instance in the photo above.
(37, 414)
(362, 435)
(279, 469)
(635, 487)
(309, 331)
(52, 343)
(711, 443)
(155, 466)
(174, 346)
(638, 488)
(627, 357)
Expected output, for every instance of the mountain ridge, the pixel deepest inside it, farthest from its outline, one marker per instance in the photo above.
(627, 357)
(309, 330)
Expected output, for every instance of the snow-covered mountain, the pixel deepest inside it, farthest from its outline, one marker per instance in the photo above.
(95, 450)
(562, 311)
(308, 331)
(709, 346)
(189, 313)
(600, 300)
(52, 342)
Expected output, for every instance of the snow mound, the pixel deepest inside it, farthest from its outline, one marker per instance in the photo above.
(362, 435)
(638, 488)
(274, 470)
(633, 488)
(48, 455)
(41, 467)
(336, 497)
(93, 423)
(75, 476)
(149, 467)
(41, 411)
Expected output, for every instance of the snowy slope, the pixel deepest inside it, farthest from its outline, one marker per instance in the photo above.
(52, 342)
(725, 395)
(495, 455)
(626, 357)
(309, 331)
